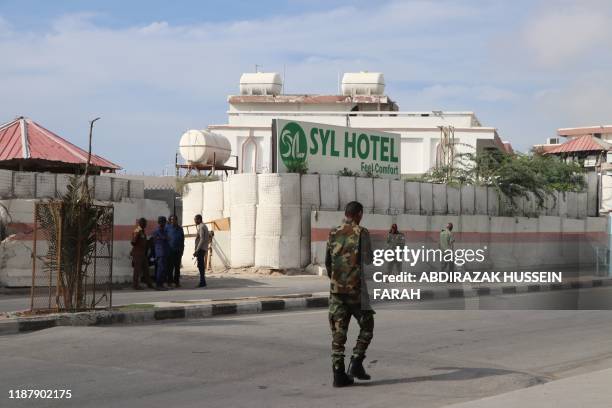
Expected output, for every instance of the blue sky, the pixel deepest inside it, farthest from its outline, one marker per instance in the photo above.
(154, 68)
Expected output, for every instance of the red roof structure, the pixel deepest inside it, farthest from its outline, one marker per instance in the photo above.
(586, 143)
(26, 145)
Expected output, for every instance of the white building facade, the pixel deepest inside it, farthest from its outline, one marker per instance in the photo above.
(251, 113)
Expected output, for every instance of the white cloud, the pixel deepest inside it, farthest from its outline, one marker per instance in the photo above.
(152, 81)
(565, 35)
(483, 93)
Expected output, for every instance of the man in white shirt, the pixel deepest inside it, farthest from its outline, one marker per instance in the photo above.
(201, 248)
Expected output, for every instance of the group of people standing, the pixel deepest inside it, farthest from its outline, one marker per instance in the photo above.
(164, 249)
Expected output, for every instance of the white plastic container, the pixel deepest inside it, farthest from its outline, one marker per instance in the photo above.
(363, 83)
(261, 83)
(204, 147)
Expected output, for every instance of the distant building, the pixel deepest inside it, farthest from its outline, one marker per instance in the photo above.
(362, 104)
(591, 147)
(27, 146)
(588, 146)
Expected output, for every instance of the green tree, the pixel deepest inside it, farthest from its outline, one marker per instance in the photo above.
(512, 175)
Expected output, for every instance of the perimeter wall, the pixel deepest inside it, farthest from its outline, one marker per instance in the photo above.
(271, 217)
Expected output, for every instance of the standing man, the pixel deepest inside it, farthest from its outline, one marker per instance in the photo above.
(348, 249)
(176, 242)
(162, 249)
(447, 241)
(201, 248)
(140, 262)
(395, 239)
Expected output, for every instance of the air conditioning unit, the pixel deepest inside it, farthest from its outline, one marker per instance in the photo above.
(553, 140)
(609, 157)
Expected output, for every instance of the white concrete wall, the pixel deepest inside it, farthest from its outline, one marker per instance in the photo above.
(271, 214)
(30, 185)
(16, 250)
(513, 243)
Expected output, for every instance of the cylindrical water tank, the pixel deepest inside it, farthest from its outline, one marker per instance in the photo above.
(204, 147)
(261, 83)
(363, 83)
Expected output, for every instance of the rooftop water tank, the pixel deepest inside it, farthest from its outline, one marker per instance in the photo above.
(363, 83)
(261, 83)
(204, 147)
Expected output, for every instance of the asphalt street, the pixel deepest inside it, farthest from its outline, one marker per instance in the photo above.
(419, 358)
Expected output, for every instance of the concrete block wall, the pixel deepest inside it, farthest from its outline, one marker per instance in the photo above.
(31, 185)
(243, 213)
(45, 185)
(412, 198)
(16, 250)
(512, 243)
(272, 213)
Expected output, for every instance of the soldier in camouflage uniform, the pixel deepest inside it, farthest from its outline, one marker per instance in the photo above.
(348, 249)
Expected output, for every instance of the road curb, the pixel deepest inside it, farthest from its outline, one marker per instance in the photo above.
(199, 311)
(24, 324)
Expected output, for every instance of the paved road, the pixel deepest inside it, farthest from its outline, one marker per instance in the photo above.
(219, 287)
(419, 358)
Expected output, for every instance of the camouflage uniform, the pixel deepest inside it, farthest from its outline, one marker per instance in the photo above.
(348, 249)
(447, 241)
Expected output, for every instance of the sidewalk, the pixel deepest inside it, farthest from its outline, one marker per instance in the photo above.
(220, 286)
(276, 294)
(587, 390)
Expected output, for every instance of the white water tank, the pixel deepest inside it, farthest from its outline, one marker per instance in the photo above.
(363, 83)
(261, 83)
(204, 147)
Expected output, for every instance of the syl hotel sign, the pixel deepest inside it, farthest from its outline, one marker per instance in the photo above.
(327, 149)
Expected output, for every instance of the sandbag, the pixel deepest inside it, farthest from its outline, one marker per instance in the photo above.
(212, 196)
(242, 251)
(226, 199)
(243, 189)
(243, 220)
(278, 189)
(277, 252)
(278, 220)
(192, 201)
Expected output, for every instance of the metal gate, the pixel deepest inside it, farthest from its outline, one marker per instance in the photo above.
(72, 257)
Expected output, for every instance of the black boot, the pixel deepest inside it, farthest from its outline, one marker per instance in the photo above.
(356, 369)
(340, 377)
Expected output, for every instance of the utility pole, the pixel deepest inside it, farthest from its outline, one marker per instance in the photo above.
(85, 185)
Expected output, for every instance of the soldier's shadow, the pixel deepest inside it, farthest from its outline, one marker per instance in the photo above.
(455, 374)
